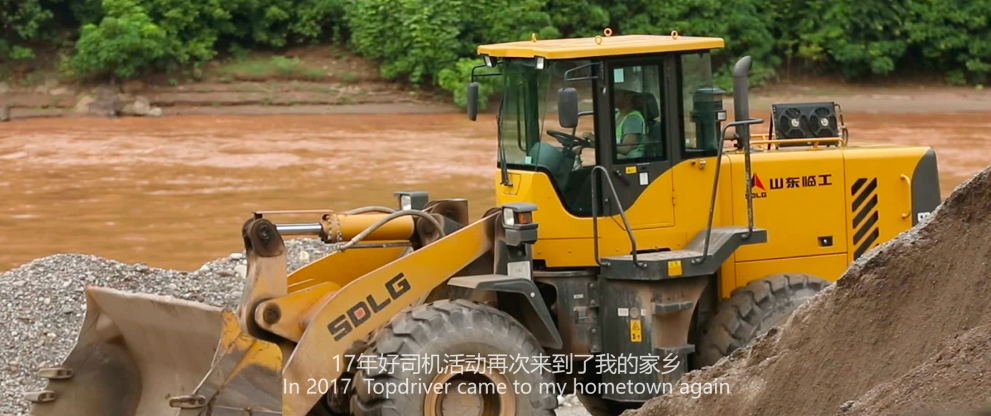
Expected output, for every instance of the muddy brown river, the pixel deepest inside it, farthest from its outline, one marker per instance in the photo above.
(173, 192)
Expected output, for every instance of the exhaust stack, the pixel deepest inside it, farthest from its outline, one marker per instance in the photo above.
(741, 97)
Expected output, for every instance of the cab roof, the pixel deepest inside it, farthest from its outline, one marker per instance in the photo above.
(599, 46)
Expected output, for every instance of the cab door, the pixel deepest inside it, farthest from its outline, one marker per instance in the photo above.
(636, 146)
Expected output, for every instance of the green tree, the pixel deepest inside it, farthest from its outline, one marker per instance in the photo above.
(124, 41)
(860, 37)
(416, 39)
(576, 18)
(21, 21)
(953, 35)
(413, 39)
(455, 80)
(318, 19)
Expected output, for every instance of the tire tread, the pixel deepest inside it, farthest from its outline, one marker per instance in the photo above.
(413, 330)
(738, 318)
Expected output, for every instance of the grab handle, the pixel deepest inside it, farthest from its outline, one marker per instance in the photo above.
(909, 182)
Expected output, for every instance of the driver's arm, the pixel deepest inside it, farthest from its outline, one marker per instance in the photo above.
(629, 142)
(633, 130)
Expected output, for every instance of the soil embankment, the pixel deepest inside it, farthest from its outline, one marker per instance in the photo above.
(306, 80)
(332, 80)
(905, 329)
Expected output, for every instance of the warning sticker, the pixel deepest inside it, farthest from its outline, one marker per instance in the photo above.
(636, 331)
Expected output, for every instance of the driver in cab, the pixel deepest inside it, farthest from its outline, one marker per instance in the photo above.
(631, 126)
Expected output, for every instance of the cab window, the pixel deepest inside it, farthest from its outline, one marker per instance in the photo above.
(698, 96)
(638, 133)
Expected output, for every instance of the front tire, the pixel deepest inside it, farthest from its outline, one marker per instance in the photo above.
(754, 309)
(447, 328)
(597, 406)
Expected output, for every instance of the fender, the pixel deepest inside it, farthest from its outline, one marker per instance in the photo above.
(530, 310)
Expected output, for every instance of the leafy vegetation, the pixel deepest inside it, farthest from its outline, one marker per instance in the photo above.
(260, 68)
(349, 77)
(454, 79)
(125, 40)
(433, 41)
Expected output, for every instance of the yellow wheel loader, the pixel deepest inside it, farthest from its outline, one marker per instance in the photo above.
(664, 244)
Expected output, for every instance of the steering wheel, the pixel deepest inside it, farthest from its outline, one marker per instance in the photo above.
(569, 141)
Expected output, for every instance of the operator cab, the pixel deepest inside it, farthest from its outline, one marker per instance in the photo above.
(635, 105)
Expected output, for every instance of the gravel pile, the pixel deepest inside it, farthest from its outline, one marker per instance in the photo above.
(42, 304)
(905, 330)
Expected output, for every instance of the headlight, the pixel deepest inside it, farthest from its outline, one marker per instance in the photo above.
(405, 202)
(508, 217)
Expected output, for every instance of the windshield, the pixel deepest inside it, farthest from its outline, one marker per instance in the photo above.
(529, 110)
(530, 136)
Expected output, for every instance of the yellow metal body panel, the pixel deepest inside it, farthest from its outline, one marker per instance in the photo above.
(341, 267)
(798, 197)
(346, 316)
(801, 196)
(655, 207)
(893, 192)
(566, 240)
(600, 46)
(294, 310)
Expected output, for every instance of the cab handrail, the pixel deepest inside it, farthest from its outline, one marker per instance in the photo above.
(622, 214)
(715, 183)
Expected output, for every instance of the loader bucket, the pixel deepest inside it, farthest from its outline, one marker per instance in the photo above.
(148, 355)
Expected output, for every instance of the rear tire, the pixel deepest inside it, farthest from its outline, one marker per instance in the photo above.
(754, 309)
(450, 327)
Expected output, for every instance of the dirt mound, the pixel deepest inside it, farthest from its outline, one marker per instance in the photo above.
(902, 330)
(955, 376)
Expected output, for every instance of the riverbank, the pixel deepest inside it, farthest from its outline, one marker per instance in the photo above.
(328, 97)
(332, 80)
(306, 80)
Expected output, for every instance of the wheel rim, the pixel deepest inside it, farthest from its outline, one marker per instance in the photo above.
(458, 399)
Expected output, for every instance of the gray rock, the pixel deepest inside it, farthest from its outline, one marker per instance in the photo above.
(137, 106)
(154, 112)
(82, 105)
(38, 334)
(101, 101)
(241, 270)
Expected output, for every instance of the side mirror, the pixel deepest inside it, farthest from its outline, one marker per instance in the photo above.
(567, 107)
(472, 101)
